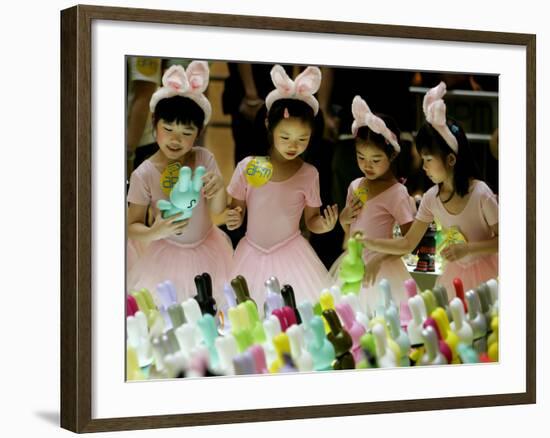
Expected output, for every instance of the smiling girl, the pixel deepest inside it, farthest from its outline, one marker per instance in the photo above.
(177, 250)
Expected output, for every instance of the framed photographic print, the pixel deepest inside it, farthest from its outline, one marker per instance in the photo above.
(139, 353)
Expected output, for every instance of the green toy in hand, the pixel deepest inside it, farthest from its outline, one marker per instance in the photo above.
(185, 195)
(352, 269)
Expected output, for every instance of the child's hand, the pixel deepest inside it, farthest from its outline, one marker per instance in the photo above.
(359, 236)
(234, 218)
(350, 213)
(213, 183)
(329, 217)
(455, 252)
(163, 228)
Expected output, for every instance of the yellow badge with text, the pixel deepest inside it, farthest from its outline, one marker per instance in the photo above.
(361, 193)
(170, 177)
(258, 171)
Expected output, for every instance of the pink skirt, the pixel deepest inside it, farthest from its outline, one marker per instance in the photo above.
(292, 261)
(393, 270)
(134, 251)
(168, 260)
(472, 273)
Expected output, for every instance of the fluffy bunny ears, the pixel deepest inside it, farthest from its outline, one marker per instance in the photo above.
(190, 83)
(363, 116)
(435, 111)
(302, 88)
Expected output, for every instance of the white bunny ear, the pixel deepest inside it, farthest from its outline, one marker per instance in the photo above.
(309, 81)
(281, 80)
(198, 74)
(175, 78)
(359, 107)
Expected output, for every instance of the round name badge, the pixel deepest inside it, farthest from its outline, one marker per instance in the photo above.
(258, 171)
(361, 193)
(170, 177)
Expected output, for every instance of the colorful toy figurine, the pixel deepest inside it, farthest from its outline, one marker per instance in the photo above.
(341, 340)
(204, 297)
(352, 269)
(385, 357)
(432, 355)
(459, 325)
(185, 194)
(240, 287)
(322, 351)
(273, 299)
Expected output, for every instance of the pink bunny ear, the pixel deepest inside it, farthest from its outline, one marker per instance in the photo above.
(438, 111)
(433, 95)
(175, 78)
(281, 80)
(359, 108)
(190, 84)
(198, 74)
(363, 116)
(309, 81)
(435, 112)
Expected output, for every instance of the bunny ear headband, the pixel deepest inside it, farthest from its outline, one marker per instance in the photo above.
(191, 84)
(302, 88)
(435, 112)
(363, 116)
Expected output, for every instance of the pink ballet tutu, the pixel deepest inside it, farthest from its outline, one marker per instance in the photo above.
(472, 273)
(394, 271)
(292, 261)
(169, 260)
(134, 251)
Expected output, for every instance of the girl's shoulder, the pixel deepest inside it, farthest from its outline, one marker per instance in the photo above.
(356, 183)
(144, 169)
(202, 154)
(397, 191)
(431, 193)
(308, 169)
(481, 187)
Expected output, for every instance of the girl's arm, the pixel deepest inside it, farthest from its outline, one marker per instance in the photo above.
(319, 224)
(214, 192)
(160, 228)
(235, 214)
(456, 252)
(218, 202)
(487, 246)
(374, 264)
(402, 245)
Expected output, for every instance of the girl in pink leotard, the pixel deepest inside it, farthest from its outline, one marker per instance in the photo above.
(377, 201)
(178, 250)
(273, 244)
(462, 204)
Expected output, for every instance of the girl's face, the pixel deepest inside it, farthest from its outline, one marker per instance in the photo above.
(435, 167)
(175, 139)
(372, 160)
(291, 137)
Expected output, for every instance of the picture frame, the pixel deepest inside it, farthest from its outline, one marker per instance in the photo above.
(77, 217)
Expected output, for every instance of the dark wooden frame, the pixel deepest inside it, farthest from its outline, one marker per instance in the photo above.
(76, 226)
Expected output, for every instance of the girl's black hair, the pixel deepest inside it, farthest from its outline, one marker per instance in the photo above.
(430, 142)
(401, 163)
(179, 109)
